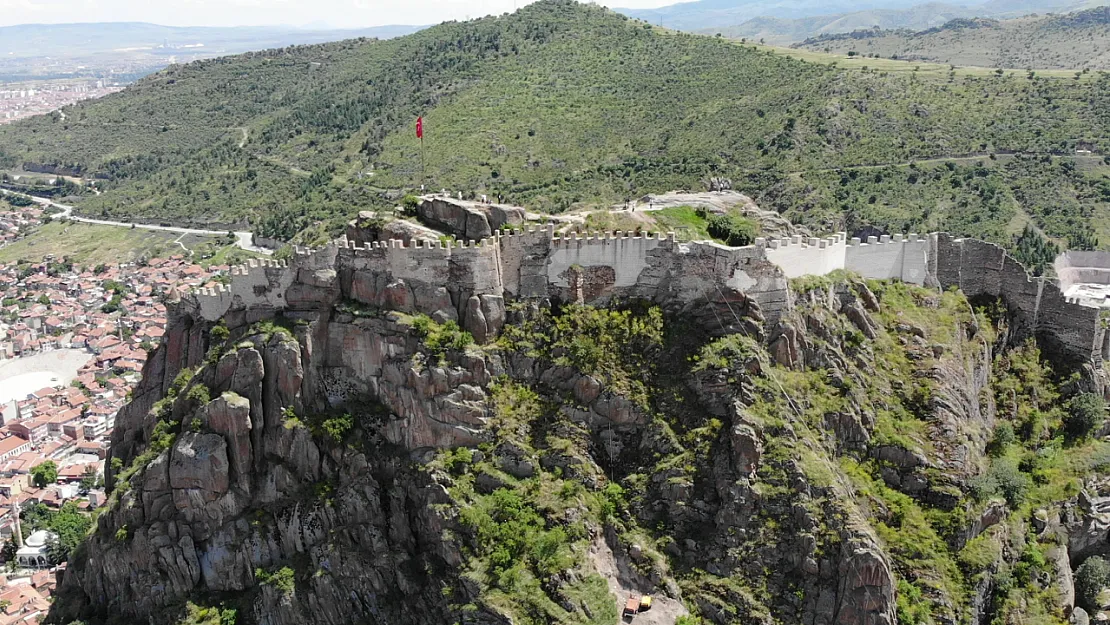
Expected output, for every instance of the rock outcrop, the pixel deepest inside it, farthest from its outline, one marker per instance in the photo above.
(467, 220)
(301, 460)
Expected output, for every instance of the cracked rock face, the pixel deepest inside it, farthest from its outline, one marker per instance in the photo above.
(252, 481)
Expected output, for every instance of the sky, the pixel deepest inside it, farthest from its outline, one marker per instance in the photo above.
(309, 13)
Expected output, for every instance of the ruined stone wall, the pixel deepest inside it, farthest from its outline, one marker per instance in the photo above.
(254, 284)
(800, 256)
(467, 281)
(524, 257)
(1037, 305)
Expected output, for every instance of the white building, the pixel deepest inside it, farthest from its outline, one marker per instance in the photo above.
(33, 552)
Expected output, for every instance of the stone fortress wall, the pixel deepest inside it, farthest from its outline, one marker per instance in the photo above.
(467, 281)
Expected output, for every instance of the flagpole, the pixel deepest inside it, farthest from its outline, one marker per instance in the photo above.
(423, 173)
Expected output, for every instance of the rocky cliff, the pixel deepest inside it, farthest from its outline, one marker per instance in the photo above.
(410, 444)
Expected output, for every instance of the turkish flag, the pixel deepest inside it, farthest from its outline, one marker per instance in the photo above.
(419, 127)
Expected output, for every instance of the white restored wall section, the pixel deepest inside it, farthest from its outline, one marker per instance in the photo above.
(799, 256)
(897, 257)
(890, 258)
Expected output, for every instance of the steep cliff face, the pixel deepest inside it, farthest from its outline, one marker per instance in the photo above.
(352, 461)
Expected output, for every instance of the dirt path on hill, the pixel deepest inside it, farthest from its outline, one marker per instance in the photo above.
(622, 582)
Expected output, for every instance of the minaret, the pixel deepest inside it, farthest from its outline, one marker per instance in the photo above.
(17, 531)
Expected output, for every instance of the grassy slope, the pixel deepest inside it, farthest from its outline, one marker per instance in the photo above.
(87, 244)
(1069, 42)
(556, 105)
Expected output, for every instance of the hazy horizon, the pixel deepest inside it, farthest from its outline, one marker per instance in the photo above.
(322, 14)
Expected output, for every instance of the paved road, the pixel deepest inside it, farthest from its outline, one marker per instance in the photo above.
(242, 239)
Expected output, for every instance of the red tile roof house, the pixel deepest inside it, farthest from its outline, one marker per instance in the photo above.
(55, 423)
(31, 431)
(13, 446)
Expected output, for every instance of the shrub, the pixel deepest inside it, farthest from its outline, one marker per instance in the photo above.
(1003, 437)
(513, 534)
(732, 230)
(410, 202)
(337, 427)
(1004, 479)
(219, 332)
(612, 500)
(1090, 578)
(199, 395)
(441, 338)
(283, 579)
(1086, 414)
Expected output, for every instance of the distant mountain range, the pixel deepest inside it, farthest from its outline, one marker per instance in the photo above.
(121, 52)
(781, 31)
(69, 40)
(1078, 40)
(788, 21)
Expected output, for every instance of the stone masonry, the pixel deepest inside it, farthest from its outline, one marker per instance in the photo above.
(470, 281)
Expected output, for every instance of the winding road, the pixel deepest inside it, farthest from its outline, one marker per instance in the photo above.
(242, 239)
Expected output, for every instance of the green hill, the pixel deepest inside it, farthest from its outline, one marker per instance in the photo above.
(1074, 41)
(563, 103)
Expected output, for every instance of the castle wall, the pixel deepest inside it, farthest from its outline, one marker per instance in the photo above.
(1075, 267)
(799, 256)
(524, 261)
(255, 284)
(1068, 329)
(1037, 306)
(714, 284)
(625, 254)
(890, 258)
(431, 277)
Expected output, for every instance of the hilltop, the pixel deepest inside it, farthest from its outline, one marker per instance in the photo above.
(1078, 40)
(563, 104)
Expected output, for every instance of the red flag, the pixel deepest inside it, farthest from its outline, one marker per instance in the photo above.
(419, 127)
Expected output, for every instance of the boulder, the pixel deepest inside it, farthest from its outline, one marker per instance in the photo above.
(866, 587)
(230, 415)
(199, 463)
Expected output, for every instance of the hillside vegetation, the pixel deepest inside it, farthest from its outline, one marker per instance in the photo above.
(563, 104)
(1074, 41)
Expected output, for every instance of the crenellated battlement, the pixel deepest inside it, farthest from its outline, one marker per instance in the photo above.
(888, 239)
(801, 242)
(466, 279)
(802, 256)
(596, 238)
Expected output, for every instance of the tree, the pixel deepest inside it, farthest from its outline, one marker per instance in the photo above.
(70, 525)
(36, 517)
(1090, 578)
(7, 553)
(89, 479)
(733, 230)
(1086, 414)
(45, 474)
